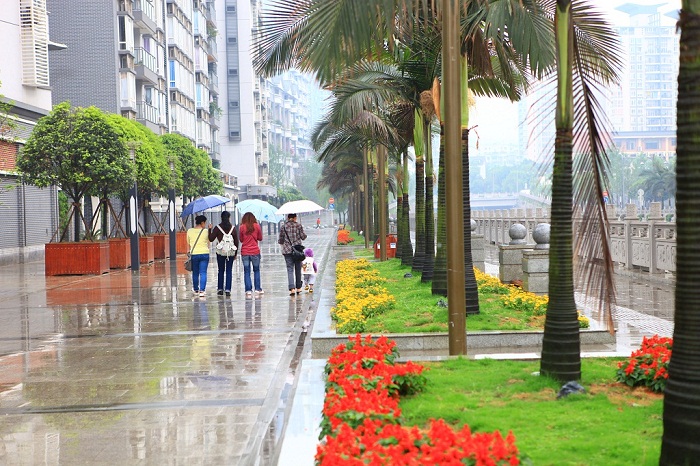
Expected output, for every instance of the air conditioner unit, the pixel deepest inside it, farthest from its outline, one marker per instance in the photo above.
(262, 180)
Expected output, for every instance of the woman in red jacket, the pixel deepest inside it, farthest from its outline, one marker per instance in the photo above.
(250, 233)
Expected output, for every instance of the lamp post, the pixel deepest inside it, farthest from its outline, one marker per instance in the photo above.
(171, 211)
(134, 219)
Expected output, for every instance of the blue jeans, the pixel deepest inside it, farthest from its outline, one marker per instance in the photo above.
(225, 264)
(200, 262)
(255, 261)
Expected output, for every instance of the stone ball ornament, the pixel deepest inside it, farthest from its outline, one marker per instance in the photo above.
(541, 235)
(517, 233)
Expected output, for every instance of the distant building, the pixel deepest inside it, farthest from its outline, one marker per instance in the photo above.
(30, 214)
(643, 108)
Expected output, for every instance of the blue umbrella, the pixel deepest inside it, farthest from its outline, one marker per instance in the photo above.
(203, 203)
(263, 211)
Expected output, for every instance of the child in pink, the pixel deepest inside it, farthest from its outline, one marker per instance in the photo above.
(309, 269)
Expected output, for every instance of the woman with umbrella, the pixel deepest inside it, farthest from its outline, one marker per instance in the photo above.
(292, 234)
(199, 250)
(250, 233)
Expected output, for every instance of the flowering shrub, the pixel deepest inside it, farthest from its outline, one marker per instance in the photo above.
(361, 423)
(514, 297)
(358, 295)
(344, 237)
(648, 366)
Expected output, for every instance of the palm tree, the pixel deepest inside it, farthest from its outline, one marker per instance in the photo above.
(585, 47)
(681, 400)
(659, 180)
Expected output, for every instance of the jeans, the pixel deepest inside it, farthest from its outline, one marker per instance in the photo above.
(200, 262)
(255, 261)
(293, 272)
(225, 264)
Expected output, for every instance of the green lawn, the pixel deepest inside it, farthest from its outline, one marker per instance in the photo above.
(417, 310)
(610, 425)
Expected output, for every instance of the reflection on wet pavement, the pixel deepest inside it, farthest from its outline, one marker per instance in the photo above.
(131, 369)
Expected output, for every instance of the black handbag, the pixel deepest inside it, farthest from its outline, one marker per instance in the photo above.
(297, 249)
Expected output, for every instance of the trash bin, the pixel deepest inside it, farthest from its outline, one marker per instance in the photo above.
(391, 241)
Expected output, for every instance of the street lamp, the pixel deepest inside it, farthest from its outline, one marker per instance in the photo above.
(171, 210)
(133, 216)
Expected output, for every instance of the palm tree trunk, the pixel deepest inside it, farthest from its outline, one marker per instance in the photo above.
(406, 246)
(471, 290)
(381, 195)
(561, 343)
(399, 217)
(419, 255)
(365, 197)
(429, 257)
(682, 395)
(439, 285)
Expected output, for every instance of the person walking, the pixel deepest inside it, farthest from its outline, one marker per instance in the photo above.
(292, 234)
(309, 269)
(199, 248)
(250, 234)
(226, 251)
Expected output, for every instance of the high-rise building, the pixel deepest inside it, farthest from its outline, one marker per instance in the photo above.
(25, 97)
(150, 60)
(259, 114)
(643, 107)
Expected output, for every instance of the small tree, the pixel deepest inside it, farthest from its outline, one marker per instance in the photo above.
(77, 150)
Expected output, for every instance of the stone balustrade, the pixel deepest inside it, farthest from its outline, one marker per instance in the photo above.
(648, 245)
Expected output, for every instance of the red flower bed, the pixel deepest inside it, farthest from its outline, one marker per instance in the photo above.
(648, 366)
(344, 237)
(362, 425)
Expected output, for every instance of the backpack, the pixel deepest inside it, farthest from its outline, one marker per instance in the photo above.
(226, 247)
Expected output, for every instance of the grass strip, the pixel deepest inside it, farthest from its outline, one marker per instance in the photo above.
(610, 425)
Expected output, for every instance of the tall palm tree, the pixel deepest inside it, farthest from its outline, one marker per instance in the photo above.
(585, 51)
(682, 395)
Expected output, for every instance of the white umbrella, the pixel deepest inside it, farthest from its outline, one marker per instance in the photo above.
(263, 211)
(298, 207)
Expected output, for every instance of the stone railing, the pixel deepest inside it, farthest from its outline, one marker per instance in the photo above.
(649, 245)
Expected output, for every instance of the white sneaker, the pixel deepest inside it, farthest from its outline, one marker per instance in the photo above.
(202, 294)
(248, 294)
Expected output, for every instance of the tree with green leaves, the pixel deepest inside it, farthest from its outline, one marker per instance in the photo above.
(658, 180)
(680, 444)
(193, 169)
(78, 150)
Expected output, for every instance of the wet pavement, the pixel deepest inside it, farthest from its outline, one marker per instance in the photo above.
(129, 368)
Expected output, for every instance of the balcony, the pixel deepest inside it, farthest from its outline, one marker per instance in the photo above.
(213, 84)
(214, 120)
(146, 66)
(148, 115)
(145, 15)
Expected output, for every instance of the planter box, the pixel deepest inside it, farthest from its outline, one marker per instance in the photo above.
(161, 246)
(83, 258)
(181, 242)
(146, 249)
(119, 253)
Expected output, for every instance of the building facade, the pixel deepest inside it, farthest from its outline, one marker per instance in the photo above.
(30, 214)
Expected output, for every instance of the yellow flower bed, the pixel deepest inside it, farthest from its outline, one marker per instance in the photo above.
(359, 295)
(515, 298)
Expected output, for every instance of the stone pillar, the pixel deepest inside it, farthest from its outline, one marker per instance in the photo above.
(510, 256)
(655, 216)
(478, 255)
(536, 262)
(630, 216)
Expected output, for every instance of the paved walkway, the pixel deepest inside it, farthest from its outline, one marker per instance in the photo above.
(129, 369)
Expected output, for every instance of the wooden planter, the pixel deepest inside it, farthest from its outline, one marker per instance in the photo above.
(119, 253)
(161, 246)
(83, 258)
(146, 249)
(181, 242)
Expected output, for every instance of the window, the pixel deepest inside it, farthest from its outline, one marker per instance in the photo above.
(171, 64)
(34, 35)
(231, 9)
(232, 40)
(233, 104)
(233, 72)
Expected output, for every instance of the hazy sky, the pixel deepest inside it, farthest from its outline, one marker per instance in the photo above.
(497, 119)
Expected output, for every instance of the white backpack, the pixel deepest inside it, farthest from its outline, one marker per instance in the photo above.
(226, 247)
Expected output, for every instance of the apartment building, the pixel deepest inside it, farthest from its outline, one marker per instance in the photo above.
(643, 108)
(30, 213)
